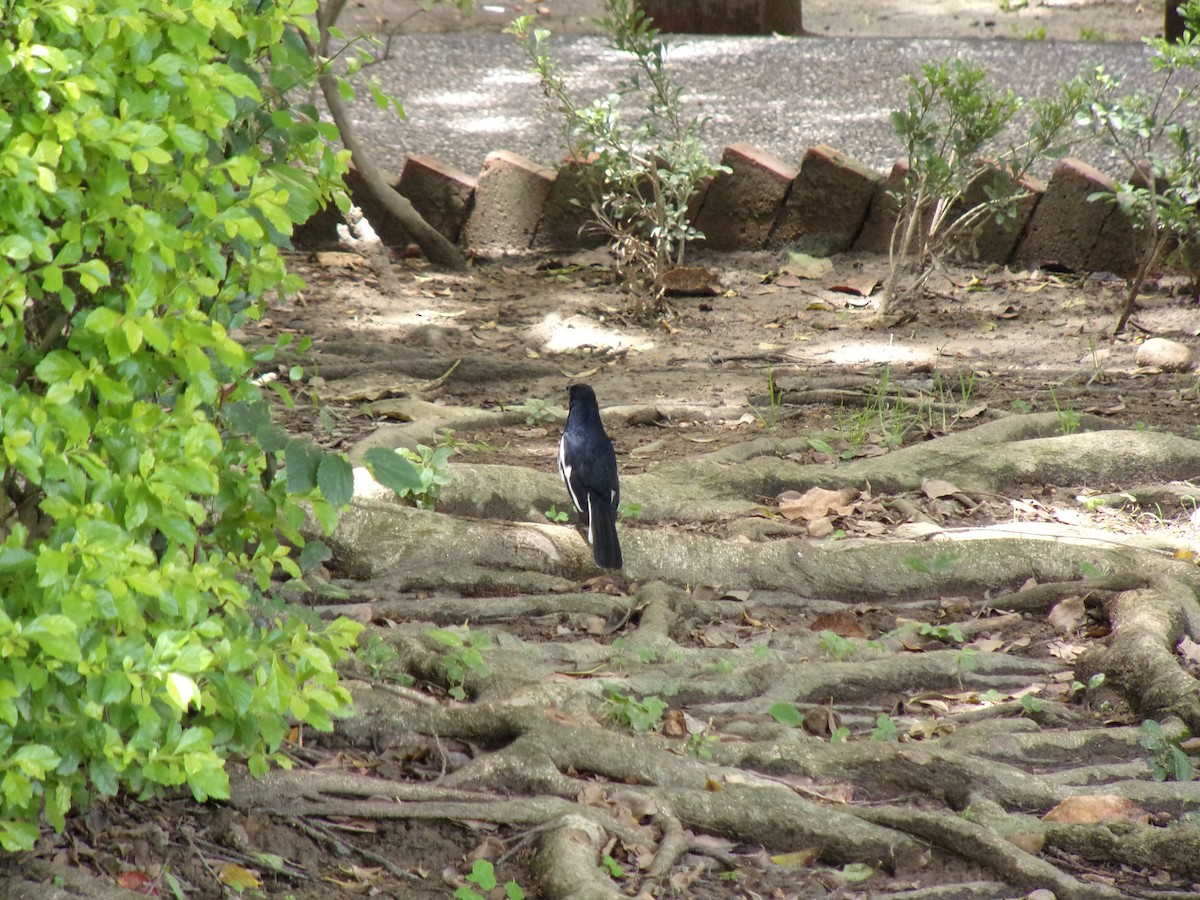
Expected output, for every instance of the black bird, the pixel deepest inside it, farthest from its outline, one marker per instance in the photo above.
(589, 470)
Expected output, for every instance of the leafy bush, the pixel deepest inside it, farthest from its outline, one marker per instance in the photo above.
(641, 176)
(1153, 134)
(152, 169)
(950, 127)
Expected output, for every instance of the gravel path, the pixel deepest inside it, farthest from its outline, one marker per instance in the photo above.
(469, 94)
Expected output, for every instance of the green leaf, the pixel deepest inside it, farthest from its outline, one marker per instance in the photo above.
(56, 636)
(335, 478)
(58, 366)
(314, 553)
(393, 471)
(303, 461)
(786, 714)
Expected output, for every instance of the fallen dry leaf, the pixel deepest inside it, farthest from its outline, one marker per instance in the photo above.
(1189, 650)
(817, 503)
(797, 860)
(237, 877)
(1067, 615)
(841, 623)
(936, 488)
(673, 724)
(862, 285)
(804, 266)
(1097, 808)
(691, 281)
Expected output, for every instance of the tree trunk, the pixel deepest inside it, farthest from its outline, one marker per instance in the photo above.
(1172, 21)
(726, 16)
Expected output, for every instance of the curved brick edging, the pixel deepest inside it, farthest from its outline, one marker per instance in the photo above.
(829, 204)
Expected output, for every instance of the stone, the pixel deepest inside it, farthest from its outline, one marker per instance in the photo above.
(440, 193)
(741, 205)
(1168, 355)
(875, 236)
(826, 205)
(509, 195)
(568, 222)
(1065, 226)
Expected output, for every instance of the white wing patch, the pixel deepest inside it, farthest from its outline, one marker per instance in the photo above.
(590, 519)
(565, 471)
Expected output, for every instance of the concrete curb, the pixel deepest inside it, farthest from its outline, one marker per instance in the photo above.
(830, 203)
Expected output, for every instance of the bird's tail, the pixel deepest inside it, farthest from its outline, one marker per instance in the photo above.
(602, 532)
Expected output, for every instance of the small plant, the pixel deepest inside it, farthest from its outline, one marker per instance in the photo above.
(483, 876)
(1166, 762)
(770, 418)
(835, 645)
(1069, 420)
(941, 562)
(1152, 134)
(956, 177)
(380, 659)
(556, 515)
(786, 714)
(612, 867)
(629, 510)
(540, 412)
(1030, 704)
(640, 176)
(415, 475)
(463, 656)
(1092, 683)
(700, 745)
(1024, 407)
(840, 735)
(638, 715)
(885, 729)
(947, 634)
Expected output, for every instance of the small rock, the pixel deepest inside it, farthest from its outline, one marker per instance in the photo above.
(1170, 356)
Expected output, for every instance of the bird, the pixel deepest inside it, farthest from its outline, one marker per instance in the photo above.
(588, 466)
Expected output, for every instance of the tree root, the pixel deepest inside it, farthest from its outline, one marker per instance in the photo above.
(1140, 657)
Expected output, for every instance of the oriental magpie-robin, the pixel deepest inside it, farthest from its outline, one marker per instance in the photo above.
(589, 470)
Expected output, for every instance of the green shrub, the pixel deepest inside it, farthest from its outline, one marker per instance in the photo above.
(642, 169)
(152, 168)
(1152, 133)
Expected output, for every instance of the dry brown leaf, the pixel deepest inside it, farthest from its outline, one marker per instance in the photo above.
(804, 266)
(862, 285)
(237, 877)
(489, 848)
(821, 528)
(822, 721)
(841, 623)
(691, 281)
(1029, 841)
(640, 805)
(1189, 650)
(800, 859)
(673, 724)
(936, 488)
(1097, 808)
(1067, 615)
(972, 411)
(986, 645)
(816, 503)
(592, 794)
